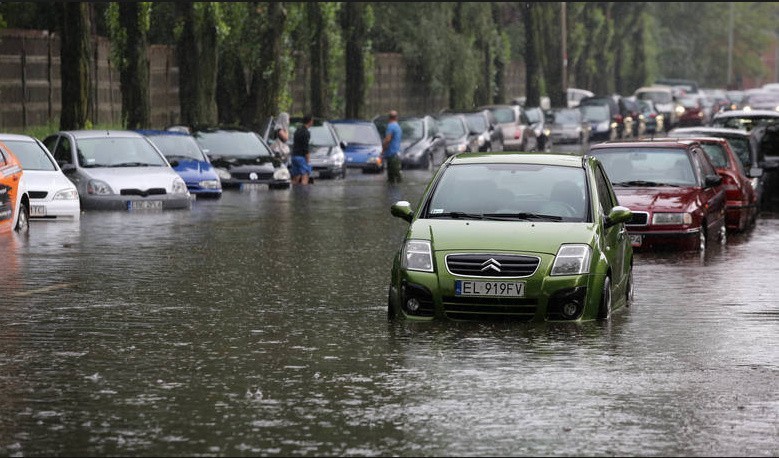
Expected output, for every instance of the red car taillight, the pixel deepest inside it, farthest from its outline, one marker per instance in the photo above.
(732, 190)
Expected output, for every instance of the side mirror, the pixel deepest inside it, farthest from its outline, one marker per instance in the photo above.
(344, 144)
(402, 209)
(755, 172)
(68, 168)
(618, 214)
(712, 180)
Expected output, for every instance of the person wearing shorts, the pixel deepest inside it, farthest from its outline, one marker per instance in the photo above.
(301, 167)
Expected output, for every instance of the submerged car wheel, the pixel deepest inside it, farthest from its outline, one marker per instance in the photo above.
(723, 235)
(604, 311)
(23, 222)
(629, 288)
(702, 237)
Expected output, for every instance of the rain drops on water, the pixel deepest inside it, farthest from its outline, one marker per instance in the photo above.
(256, 394)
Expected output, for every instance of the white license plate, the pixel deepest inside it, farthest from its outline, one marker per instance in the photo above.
(636, 239)
(253, 185)
(489, 288)
(144, 204)
(37, 210)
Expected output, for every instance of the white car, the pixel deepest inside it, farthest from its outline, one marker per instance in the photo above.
(118, 170)
(52, 195)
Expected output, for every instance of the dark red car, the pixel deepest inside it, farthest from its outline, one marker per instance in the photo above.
(693, 114)
(672, 188)
(740, 196)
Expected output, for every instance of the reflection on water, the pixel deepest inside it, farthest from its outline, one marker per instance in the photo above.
(256, 325)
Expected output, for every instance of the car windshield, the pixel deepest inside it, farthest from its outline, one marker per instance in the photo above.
(717, 154)
(533, 115)
(504, 115)
(320, 136)
(357, 134)
(231, 143)
(510, 192)
(655, 166)
(30, 155)
(655, 96)
(118, 152)
(746, 123)
(177, 147)
(689, 102)
(595, 113)
(412, 129)
(452, 127)
(476, 122)
(568, 117)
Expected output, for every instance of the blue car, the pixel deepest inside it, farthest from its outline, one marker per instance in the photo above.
(363, 144)
(188, 160)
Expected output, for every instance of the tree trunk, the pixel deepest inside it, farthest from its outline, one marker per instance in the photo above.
(134, 77)
(355, 36)
(532, 69)
(317, 59)
(75, 60)
(265, 88)
(197, 59)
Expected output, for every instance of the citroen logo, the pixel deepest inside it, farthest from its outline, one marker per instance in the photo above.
(490, 264)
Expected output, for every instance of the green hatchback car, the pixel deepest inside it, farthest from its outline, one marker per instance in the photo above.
(533, 237)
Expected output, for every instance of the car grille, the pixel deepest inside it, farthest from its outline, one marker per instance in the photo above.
(491, 265)
(38, 194)
(138, 192)
(638, 219)
(261, 176)
(486, 308)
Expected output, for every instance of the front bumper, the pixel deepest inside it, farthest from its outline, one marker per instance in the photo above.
(55, 210)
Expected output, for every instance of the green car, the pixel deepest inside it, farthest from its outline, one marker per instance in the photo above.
(533, 237)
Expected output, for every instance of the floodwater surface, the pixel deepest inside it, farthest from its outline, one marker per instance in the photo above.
(255, 325)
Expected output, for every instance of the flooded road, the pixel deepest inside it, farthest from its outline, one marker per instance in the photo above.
(255, 325)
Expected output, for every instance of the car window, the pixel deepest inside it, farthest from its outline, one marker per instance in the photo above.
(605, 197)
(176, 147)
(232, 143)
(504, 115)
(432, 128)
(118, 152)
(555, 191)
(359, 134)
(655, 96)
(740, 146)
(595, 113)
(639, 166)
(705, 165)
(3, 160)
(452, 127)
(717, 154)
(63, 152)
(476, 122)
(413, 129)
(31, 156)
(533, 116)
(567, 117)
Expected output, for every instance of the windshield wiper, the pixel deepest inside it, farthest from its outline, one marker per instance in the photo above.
(637, 183)
(523, 216)
(456, 215)
(134, 164)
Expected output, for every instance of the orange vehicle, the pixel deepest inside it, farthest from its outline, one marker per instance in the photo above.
(14, 201)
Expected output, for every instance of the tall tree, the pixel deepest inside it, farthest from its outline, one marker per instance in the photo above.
(196, 50)
(265, 88)
(128, 25)
(317, 58)
(548, 29)
(74, 26)
(356, 21)
(532, 67)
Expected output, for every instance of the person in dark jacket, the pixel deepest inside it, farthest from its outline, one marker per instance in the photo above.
(301, 167)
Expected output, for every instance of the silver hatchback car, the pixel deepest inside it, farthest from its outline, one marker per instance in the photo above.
(117, 170)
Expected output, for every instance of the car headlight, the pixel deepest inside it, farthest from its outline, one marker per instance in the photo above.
(755, 182)
(601, 127)
(459, 148)
(223, 174)
(671, 218)
(66, 194)
(572, 260)
(417, 255)
(210, 184)
(179, 187)
(374, 160)
(281, 174)
(99, 188)
(679, 110)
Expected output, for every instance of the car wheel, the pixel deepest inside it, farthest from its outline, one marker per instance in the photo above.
(723, 235)
(604, 310)
(23, 222)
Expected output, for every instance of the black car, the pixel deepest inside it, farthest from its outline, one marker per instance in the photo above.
(241, 158)
(618, 114)
(422, 145)
(455, 130)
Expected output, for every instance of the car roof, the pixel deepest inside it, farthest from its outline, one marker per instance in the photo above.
(563, 159)
(747, 114)
(710, 130)
(350, 121)
(101, 133)
(16, 137)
